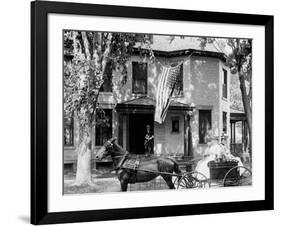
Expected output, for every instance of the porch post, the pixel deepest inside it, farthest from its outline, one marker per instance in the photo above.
(190, 148)
(188, 152)
(185, 136)
(120, 129)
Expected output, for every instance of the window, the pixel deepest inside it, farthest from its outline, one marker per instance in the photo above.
(139, 78)
(107, 79)
(178, 91)
(224, 84)
(224, 122)
(175, 125)
(205, 123)
(103, 126)
(68, 131)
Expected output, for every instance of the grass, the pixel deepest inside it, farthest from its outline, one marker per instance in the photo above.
(108, 182)
(99, 185)
(105, 180)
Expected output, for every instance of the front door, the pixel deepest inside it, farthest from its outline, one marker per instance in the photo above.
(137, 131)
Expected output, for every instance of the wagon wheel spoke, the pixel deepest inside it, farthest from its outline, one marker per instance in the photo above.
(231, 181)
(245, 178)
(193, 180)
(201, 179)
(185, 182)
(231, 178)
(238, 176)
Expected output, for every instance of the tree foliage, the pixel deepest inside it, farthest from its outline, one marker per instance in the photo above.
(237, 50)
(235, 93)
(87, 57)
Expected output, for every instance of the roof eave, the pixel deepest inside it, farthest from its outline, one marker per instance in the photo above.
(182, 52)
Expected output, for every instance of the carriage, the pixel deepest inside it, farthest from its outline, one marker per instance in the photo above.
(135, 170)
(222, 173)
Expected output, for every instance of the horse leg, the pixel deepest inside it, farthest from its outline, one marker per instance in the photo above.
(124, 182)
(123, 177)
(169, 182)
(124, 185)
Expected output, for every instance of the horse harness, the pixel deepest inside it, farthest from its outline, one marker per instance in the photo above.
(131, 165)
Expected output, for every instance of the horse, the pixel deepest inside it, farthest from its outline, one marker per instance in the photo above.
(149, 167)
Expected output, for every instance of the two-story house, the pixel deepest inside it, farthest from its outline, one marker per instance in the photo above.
(200, 102)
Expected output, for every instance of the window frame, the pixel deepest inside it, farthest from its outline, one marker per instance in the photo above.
(199, 127)
(173, 119)
(224, 122)
(224, 83)
(181, 94)
(71, 125)
(97, 129)
(133, 78)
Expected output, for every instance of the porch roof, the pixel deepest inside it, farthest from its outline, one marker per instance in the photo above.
(147, 105)
(237, 115)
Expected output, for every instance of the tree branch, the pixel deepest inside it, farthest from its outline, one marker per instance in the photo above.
(86, 45)
(104, 57)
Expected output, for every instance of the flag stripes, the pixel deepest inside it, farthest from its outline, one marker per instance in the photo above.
(165, 88)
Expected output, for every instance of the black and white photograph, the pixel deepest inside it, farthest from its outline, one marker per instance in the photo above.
(145, 112)
(123, 113)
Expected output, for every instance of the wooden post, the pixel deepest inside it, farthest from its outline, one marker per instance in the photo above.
(230, 133)
(234, 133)
(188, 152)
(246, 137)
(127, 132)
(120, 129)
(190, 148)
(185, 136)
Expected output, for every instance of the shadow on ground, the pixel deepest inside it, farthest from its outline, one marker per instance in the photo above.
(25, 219)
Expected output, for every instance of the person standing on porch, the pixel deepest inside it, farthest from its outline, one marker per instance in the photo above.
(148, 141)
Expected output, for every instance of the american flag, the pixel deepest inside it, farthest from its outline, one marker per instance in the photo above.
(165, 89)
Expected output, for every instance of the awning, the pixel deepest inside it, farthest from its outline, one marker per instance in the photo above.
(236, 115)
(147, 105)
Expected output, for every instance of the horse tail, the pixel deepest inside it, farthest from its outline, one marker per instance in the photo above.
(176, 170)
(176, 166)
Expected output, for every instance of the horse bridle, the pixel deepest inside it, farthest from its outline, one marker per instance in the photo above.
(109, 145)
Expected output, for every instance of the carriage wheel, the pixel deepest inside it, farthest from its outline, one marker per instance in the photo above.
(193, 180)
(238, 176)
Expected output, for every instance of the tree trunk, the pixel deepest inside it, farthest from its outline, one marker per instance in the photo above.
(247, 107)
(83, 173)
(98, 60)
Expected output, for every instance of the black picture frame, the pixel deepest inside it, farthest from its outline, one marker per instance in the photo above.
(39, 112)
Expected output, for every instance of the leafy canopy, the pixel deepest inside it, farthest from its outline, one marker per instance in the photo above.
(87, 57)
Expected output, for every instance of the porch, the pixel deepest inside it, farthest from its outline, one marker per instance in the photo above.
(239, 138)
(171, 137)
